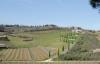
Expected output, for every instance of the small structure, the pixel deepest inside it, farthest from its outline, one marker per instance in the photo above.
(76, 30)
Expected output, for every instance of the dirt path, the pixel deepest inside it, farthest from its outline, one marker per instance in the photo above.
(98, 37)
(51, 59)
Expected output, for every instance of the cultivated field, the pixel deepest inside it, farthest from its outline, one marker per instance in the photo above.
(26, 54)
(37, 46)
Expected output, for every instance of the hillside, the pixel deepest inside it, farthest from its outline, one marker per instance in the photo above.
(50, 38)
(83, 49)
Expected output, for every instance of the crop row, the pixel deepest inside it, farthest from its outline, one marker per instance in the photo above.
(24, 54)
(15, 55)
(38, 54)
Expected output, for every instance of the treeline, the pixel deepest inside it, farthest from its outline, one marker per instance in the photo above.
(24, 28)
(17, 25)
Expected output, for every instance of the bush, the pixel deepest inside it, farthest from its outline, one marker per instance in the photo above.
(82, 49)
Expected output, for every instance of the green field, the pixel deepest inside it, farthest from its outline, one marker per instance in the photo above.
(40, 38)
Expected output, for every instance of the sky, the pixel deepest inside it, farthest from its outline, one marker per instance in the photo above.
(58, 12)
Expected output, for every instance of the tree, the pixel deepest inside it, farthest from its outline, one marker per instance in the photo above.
(49, 53)
(95, 3)
(58, 51)
(68, 38)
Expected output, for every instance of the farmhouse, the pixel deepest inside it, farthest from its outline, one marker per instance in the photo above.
(77, 30)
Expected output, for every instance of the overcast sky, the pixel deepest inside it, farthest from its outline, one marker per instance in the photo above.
(59, 12)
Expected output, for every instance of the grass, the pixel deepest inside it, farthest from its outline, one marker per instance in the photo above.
(18, 42)
(40, 38)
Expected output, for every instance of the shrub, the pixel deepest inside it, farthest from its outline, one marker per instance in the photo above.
(82, 49)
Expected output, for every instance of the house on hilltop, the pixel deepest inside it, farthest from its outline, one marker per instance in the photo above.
(76, 29)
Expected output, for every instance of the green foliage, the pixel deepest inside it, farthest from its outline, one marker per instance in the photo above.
(70, 38)
(40, 38)
(82, 49)
(58, 52)
(63, 48)
(49, 54)
(95, 3)
(76, 56)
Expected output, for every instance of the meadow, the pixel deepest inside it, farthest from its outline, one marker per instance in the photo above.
(39, 38)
